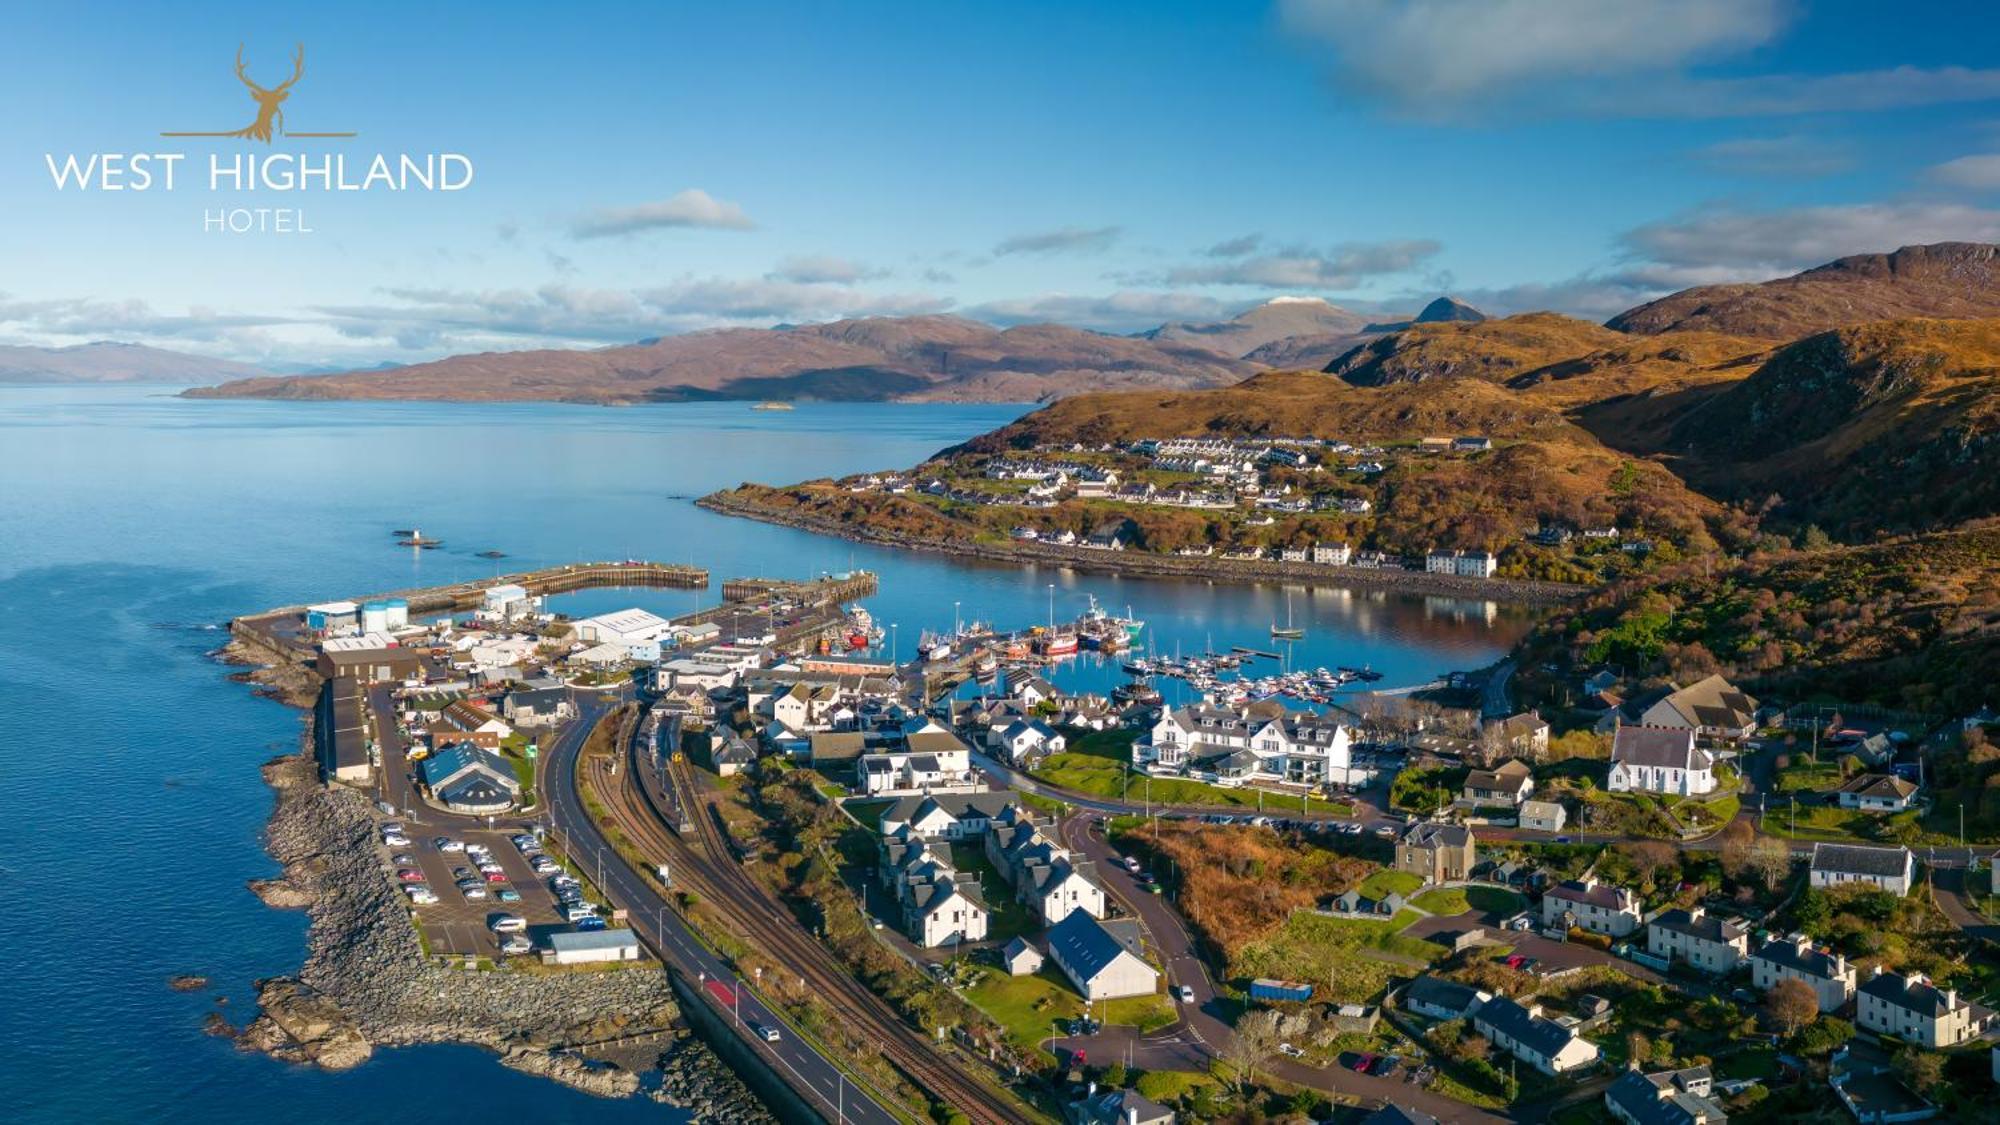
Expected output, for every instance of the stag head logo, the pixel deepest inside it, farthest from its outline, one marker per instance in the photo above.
(270, 101)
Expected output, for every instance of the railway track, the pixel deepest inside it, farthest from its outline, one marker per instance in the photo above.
(746, 904)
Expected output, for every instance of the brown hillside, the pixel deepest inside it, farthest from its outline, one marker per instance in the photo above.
(1889, 426)
(921, 358)
(1948, 279)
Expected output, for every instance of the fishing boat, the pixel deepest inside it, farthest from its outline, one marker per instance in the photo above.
(1287, 631)
(1059, 644)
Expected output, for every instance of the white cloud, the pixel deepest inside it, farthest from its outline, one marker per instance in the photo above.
(1339, 267)
(1067, 240)
(1122, 311)
(823, 269)
(691, 208)
(1482, 58)
(1767, 243)
(1980, 172)
(1787, 155)
(1234, 247)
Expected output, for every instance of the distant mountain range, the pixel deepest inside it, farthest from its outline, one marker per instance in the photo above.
(105, 362)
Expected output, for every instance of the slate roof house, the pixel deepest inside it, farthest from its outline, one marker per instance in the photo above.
(1794, 958)
(1439, 852)
(1891, 869)
(944, 816)
(1533, 1038)
(1588, 904)
(1103, 959)
(1697, 938)
(1442, 999)
(1910, 1007)
(1711, 707)
(1659, 760)
(1118, 1107)
(1670, 1097)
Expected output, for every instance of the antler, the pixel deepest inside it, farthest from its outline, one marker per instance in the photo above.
(239, 71)
(298, 68)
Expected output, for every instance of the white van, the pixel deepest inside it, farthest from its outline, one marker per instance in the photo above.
(506, 923)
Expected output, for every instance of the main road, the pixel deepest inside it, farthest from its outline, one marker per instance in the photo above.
(810, 1073)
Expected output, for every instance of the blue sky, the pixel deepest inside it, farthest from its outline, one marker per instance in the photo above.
(647, 169)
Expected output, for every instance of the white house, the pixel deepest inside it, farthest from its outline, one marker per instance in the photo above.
(1332, 554)
(1911, 1008)
(1533, 1038)
(1878, 792)
(1103, 959)
(931, 763)
(1042, 872)
(1441, 999)
(944, 816)
(1668, 1097)
(1464, 564)
(1264, 741)
(1660, 760)
(1794, 958)
(1697, 938)
(1836, 865)
(1588, 904)
(1026, 740)
(1544, 816)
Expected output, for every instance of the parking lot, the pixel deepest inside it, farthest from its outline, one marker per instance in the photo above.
(459, 926)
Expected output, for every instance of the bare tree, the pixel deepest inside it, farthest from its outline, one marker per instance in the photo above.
(1771, 861)
(1649, 856)
(1256, 1038)
(1791, 1004)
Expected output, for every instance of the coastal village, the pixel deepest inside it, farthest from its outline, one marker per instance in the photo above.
(1311, 502)
(1665, 902)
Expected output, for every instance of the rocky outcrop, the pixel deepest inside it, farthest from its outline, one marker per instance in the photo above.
(187, 982)
(279, 893)
(367, 982)
(299, 1024)
(573, 1070)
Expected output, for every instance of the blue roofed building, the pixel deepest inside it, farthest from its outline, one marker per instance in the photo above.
(1103, 959)
(468, 779)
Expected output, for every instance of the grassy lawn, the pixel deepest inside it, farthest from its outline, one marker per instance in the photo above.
(1458, 900)
(1030, 1008)
(1100, 763)
(1804, 774)
(1389, 881)
(1333, 952)
(869, 813)
(1818, 822)
(1008, 918)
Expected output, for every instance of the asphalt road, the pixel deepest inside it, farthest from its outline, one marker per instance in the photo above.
(1202, 1034)
(660, 928)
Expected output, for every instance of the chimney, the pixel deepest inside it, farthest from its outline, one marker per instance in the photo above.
(1695, 913)
(1131, 1115)
(1840, 964)
(1950, 998)
(1091, 1090)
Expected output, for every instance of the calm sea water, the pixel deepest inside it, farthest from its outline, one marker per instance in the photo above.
(133, 523)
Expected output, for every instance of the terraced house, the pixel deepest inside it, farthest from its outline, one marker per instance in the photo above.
(1590, 905)
(1264, 741)
(939, 903)
(1042, 873)
(1910, 1007)
(1794, 958)
(1698, 939)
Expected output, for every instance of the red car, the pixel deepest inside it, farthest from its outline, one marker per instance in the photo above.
(410, 875)
(496, 876)
(1362, 1064)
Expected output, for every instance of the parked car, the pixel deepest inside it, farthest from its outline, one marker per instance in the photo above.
(1385, 1066)
(507, 894)
(1366, 1060)
(1184, 994)
(1290, 1051)
(410, 875)
(585, 925)
(447, 844)
(577, 912)
(507, 923)
(516, 944)
(395, 840)
(403, 859)
(421, 896)
(474, 894)
(495, 876)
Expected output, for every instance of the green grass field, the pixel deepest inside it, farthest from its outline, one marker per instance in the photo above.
(1032, 1008)
(1099, 763)
(1458, 900)
(1389, 881)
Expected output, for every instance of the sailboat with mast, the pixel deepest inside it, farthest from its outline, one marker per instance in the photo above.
(1287, 631)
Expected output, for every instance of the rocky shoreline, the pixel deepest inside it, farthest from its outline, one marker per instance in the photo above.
(1145, 564)
(366, 981)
